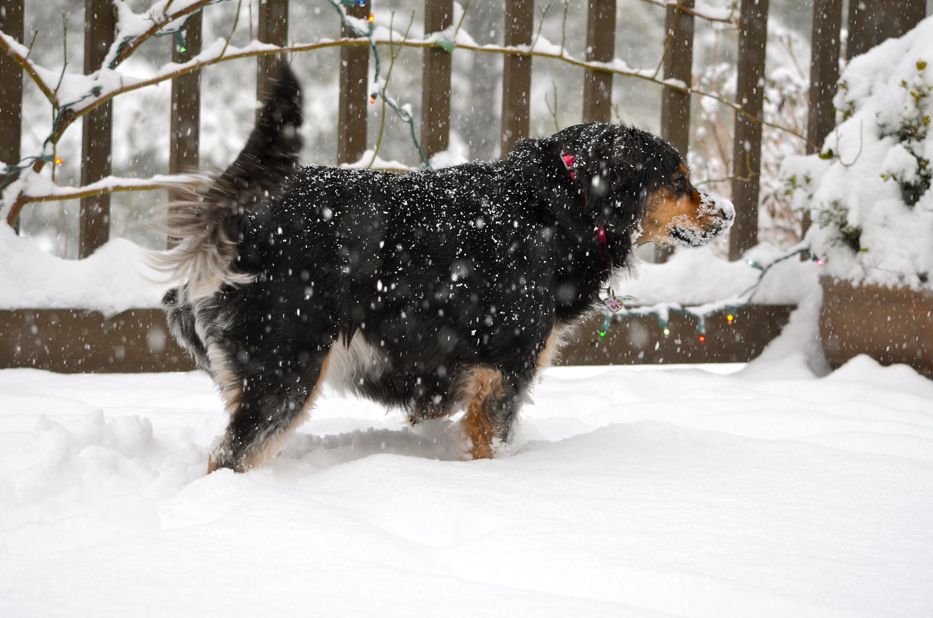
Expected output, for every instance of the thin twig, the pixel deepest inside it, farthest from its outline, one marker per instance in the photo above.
(35, 33)
(236, 20)
(563, 27)
(732, 20)
(463, 15)
(544, 13)
(553, 110)
(392, 57)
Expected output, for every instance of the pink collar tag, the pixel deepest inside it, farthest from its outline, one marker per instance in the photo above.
(569, 162)
(601, 237)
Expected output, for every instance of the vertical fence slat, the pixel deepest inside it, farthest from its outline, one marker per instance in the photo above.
(185, 131)
(435, 92)
(746, 147)
(871, 23)
(97, 126)
(675, 106)
(12, 22)
(273, 28)
(354, 95)
(824, 74)
(186, 105)
(600, 47)
(516, 73)
(824, 70)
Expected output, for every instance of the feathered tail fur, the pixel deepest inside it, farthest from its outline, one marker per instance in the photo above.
(205, 221)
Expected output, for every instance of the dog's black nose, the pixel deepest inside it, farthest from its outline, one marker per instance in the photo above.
(171, 298)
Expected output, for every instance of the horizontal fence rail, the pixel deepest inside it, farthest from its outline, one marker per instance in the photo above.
(75, 341)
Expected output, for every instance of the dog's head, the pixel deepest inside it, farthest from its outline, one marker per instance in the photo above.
(633, 180)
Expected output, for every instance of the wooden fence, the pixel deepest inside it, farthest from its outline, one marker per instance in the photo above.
(752, 19)
(867, 27)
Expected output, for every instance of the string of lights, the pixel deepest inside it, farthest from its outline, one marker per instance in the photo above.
(615, 308)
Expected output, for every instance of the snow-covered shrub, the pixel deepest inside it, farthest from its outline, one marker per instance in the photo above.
(868, 190)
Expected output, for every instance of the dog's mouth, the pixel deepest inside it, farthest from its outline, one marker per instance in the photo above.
(687, 237)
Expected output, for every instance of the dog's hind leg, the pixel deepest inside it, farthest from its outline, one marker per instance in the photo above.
(492, 402)
(265, 407)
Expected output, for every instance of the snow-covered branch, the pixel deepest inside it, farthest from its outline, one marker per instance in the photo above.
(20, 54)
(134, 29)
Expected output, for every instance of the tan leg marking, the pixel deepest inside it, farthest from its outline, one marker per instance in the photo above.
(481, 385)
(549, 352)
(274, 444)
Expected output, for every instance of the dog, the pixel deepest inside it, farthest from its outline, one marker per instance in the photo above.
(434, 291)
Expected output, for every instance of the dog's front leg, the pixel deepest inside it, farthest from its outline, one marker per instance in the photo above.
(492, 404)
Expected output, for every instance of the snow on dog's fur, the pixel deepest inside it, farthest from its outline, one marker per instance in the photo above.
(435, 291)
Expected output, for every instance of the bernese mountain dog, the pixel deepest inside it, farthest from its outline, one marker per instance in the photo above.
(434, 291)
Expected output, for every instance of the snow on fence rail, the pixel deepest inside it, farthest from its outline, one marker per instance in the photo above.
(113, 32)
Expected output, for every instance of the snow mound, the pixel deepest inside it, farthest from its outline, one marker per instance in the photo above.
(115, 278)
(635, 491)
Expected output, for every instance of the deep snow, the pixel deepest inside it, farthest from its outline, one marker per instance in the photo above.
(700, 491)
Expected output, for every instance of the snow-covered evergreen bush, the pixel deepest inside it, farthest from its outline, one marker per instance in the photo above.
(869, 189)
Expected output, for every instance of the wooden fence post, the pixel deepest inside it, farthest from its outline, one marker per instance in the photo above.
(516, 73)
(600, 47)
(675, 105)
(97, 127)
(12, 22)
(871, 23)
(746, 146)
(185, 132)
(824, 75)
(354, 95)
(435, 89)
(273, 28)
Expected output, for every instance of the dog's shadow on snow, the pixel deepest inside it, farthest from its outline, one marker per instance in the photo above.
(435, 439)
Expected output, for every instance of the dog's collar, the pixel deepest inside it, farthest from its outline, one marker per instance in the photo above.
(569, 162)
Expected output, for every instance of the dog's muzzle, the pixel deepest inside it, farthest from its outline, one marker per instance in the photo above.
(714, 216)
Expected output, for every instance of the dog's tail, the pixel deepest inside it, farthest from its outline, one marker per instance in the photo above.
(205, 222)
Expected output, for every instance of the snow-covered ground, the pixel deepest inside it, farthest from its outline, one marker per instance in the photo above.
(686, 491)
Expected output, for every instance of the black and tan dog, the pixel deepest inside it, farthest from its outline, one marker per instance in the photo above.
(435, 291)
